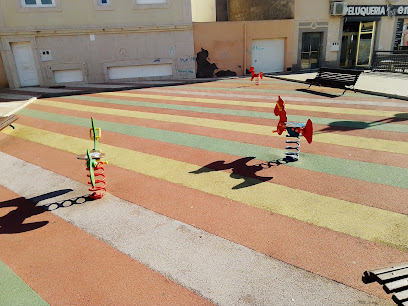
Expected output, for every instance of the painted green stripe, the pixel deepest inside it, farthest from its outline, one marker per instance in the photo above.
(13, 290)
(293, 92)
(329, 138)
(244, 113)
(249, 82)
(375, 173)
(267, 105)
(365, 222)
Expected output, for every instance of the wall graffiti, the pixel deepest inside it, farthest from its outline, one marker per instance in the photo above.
(185, 71)
(187, 59)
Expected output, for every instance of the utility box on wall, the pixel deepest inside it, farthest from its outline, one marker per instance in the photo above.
(45, 55)
(335, 46)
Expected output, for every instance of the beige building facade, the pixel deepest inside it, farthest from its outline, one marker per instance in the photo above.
(303, 35)
(347, 34)
(238, 45)
(61, 42)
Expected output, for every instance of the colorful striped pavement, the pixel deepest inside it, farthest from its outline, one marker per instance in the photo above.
(200, 209)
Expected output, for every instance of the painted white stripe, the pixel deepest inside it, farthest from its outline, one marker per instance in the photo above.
(310, 100)
(221, 271)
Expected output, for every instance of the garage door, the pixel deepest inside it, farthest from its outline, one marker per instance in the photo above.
(68, 76)
(268, 55)
(139, 71)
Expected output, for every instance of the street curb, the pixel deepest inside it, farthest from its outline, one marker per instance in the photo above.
(88, 91)
(373, 93)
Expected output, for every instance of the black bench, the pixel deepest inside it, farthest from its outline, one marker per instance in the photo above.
(335, 77)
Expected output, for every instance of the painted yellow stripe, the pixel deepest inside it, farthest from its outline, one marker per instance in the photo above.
(369, 223)
(271, 105)
(329, 138)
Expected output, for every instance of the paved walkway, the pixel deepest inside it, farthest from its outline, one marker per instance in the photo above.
(201, 210)
(394, 85)
(390, 85)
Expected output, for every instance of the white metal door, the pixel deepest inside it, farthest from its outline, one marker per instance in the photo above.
(23, 57)
(268, 55)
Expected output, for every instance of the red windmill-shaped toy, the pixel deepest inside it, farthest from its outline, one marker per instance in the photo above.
(256, 76)
(294, 129)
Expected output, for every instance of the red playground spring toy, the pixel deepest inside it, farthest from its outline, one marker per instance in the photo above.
(256, 76)
(294, 130)
(95, 166)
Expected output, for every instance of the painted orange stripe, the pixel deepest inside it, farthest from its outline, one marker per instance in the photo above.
(370, 194)
(321, 251)
(66, 266)
(297, 86)
(307, 113)
(193, 94)
(258, 121)
(386, 158)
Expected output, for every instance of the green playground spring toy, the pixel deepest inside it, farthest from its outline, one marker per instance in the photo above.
(94, 165)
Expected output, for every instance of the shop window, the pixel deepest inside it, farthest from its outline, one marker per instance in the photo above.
(357, 44)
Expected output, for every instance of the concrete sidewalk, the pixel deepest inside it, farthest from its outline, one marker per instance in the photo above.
(392, 85)
(12, 100)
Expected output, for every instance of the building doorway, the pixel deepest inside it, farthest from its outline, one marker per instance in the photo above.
(24, 60)
(310, 55)
(357, 44)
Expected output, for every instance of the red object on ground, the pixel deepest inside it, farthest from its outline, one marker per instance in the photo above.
(99, 190)
(307, 131)
(280, 111)
(255, 76)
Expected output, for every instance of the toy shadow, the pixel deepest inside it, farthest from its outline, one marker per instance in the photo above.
(357, 125)
(240, 170)
(13, 222)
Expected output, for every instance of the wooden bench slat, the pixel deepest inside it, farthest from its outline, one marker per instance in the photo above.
(393, 274)
(389, 268)
(401, 296)
(333, 77)
(396, 285)
(6, 121)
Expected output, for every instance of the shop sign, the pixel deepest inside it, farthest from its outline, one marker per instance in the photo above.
(377, 10)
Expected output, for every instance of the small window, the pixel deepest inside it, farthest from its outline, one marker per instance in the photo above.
(151, 1)
(103, 5)
(148, 4)
(38, 3)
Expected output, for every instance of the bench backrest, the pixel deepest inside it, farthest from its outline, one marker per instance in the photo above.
(348, 76)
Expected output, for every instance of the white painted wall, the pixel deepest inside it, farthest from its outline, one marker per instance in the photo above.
(204, 10)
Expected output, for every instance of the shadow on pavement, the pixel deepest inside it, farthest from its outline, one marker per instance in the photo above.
(240, 170)
(323, 94)
(345, 125)
(13, 222)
